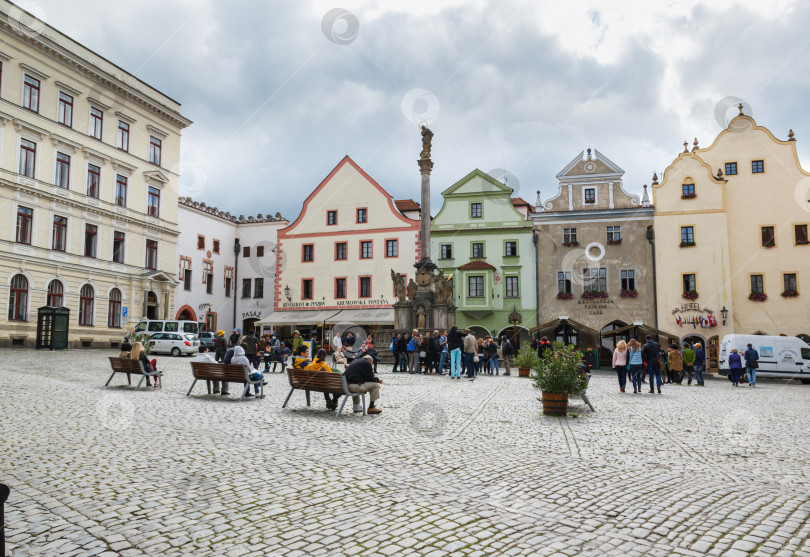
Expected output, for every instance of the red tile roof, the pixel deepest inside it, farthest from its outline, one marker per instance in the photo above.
(406, 205)
(476, 264)
(520, 202)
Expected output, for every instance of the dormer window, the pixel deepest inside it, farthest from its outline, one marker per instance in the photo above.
(590, 196)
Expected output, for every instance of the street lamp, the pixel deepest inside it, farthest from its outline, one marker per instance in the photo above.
(724, 314)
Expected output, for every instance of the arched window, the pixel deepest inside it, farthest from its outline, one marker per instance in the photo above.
(86, 300)
(55, 294)
(18, 299)
(114, 309)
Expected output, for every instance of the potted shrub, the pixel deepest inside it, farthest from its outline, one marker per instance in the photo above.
(557, 377)
(565, 296)
(790, 294)
(757, 296)
(628, 293)
(690, 295)
(526, 359)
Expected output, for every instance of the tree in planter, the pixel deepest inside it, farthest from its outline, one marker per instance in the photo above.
(557, 375)
(526, 357)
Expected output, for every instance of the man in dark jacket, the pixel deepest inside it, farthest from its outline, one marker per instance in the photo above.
(543, 345)
(251, 348)
(649, 353)
(394, 353)
(220, 346)
(361, 379)
(402, 352)
(235, 337)
(700, 364)
(751, 364)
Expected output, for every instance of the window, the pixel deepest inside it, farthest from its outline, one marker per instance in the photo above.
(114, 309)
(757, 167)
(563, 282)
(151, 254)
(569, 235)
(475, 287)
(590, 195)
(90, 240)
(614, 235)
(28, 158)
(446, 251)
(62, 178)
(478, 249)
(209, 283)
(119, 239)
(391, 248)
(510, 249)
(246, 286)
(246, 251)
(800, 234)
(18, 299)
(260, 251)
(757, 283)
(340, 288)
(93, 180)
(331, 217)
(594, 279)
(30, 98)
(687, 190)
(96, 122)
(187, 280)
(228, 287)
(628, 279)
(365, 287)
(365, 250)
(512, 290)
(308, 253)
(122, 139)
(86, 300)
(59, 241)
(690, 283)
(55, 294)
(153, 202)
(306, 289)
(216, 247)
(258, 288)
(362, 215)
(768, 236)
(25, 218)
(340, 251)
(476, 210)
(791, 284)
(200, 242)
(64, 112)
(155, 146)
(121, 190)
(731, 168)
(687, 235)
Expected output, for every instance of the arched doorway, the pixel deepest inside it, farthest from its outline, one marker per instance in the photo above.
(152, 305)
(609, 342)
(249, 324)
(478, 331)
(516, 335)
(692, 339)
(186, 314)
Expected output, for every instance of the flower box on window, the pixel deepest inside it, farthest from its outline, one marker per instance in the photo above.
(802, 242)
(688, 196)
(570, 244)
(594, 295)
(757, 296)
(690, 295)
(614, 242)
(769, 244)
(628, 293)
(565, 296)
(790, 294)
(687, 244)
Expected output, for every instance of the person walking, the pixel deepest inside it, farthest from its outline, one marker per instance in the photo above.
(220, 346)
(688, 364)
(251, 348)
(393, 349)
(650, 357)
(751, 365)
(492, 357)
(674, 364)
(470, 347)
(700, 364)
(402, 352)
(506, 352)
(455, 341)
(443, 353)
(636, 364)
(234, 339)
(620, 363)
(734, 367)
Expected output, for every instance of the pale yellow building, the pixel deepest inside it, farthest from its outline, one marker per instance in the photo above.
(89, 158)
(731, 226)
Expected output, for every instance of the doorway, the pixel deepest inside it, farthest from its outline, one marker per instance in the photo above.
(152, 305)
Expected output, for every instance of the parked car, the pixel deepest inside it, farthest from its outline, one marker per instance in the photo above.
(174, 343)
(151, 327)
(207, 339)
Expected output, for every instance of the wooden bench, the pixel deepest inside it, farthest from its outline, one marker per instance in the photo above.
(125, 365)
(321, 382)
(229, 373)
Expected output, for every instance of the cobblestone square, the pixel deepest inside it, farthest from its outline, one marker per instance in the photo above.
(448, 468)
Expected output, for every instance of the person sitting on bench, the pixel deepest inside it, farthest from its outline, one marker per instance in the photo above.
(206, 358)
(301, 361)
(360, 378)
(319, 364)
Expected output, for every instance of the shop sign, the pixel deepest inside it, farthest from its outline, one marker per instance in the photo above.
(363, 302)
(302, 304)
(257, 314)
(596, 305)
(691, 307)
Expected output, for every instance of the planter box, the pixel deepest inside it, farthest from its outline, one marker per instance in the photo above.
(555, 404)
(523, 371)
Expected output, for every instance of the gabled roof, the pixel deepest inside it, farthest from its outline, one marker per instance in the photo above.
(476, 264)
(520, 202)
(612, 167)
(406, 205)
(476, 173)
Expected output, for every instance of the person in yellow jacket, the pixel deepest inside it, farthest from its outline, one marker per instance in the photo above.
(319, 364)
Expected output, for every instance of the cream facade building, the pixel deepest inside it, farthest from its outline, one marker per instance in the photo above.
(88, 188)
(731, 228)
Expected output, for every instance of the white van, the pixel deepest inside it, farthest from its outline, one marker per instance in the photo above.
(152, 326)
(785, 357)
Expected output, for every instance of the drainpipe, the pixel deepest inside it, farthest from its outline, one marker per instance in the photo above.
(236, 249)
(651, 239)
(535, 240)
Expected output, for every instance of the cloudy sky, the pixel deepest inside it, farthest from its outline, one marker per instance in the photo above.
(279, 92)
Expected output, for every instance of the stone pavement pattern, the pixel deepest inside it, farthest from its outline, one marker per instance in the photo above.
(449, 468)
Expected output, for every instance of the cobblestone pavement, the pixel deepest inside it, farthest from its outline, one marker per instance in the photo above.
(448, 468)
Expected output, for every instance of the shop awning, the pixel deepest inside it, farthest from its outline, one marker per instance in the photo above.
(381, 316)
(551, 325)
(640, 331)
(297, 317)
